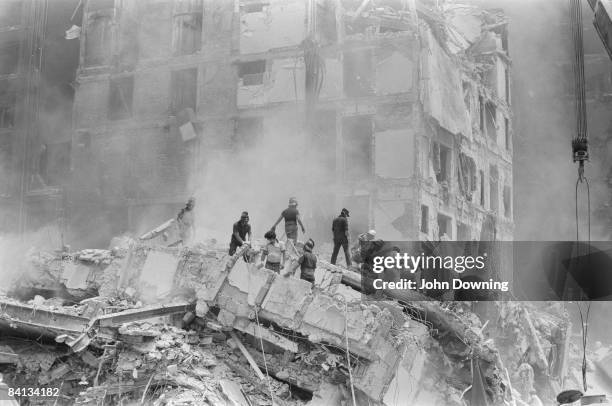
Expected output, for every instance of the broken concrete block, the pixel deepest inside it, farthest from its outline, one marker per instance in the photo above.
(158, 272)
(38, 300)
(90, 359)
(226, 318)
(286, 297)
(188, 318)
(60, 371)
(250, 279)
(201, 308)
(206, 340)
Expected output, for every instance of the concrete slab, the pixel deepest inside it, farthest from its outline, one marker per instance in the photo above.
(328, 315)
(210, 283)
(267, 335)
(286, 297)
(248, 278)
(75, 276)
(158, 271)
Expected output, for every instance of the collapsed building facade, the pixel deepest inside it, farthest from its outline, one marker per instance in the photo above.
(194, 325)
(403, 109)
(404, 105)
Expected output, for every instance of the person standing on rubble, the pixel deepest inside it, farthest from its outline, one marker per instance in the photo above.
(307, 262)
(186, 222)
(340, 230)
(292, 219)
(273, 253)
(240, 231)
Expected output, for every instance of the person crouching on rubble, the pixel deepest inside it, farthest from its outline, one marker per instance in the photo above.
(292, 219)
(273, 253)
(307, 262)
(361, 241)
(186, 222)
(240, 231)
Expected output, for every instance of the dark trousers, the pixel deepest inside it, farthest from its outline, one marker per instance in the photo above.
(347, 256)
(233, 247)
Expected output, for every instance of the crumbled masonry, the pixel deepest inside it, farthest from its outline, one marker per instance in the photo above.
(199, 338)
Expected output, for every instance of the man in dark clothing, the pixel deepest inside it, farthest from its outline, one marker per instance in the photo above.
(292, 219)
(341, 237)
(240, 231)
(307, 262)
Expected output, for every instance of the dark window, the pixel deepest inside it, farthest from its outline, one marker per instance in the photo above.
(481, 108)
(6, 155)
(9, 58)
(507, 84)
(482, 189)
(424, 219)
(357, 140)
(95, 5)
(463, 232)
(253, 7)
(98, 39)
(442, 161)
(358, 73)
(507, 133)
(120, 100)
(248, 132)
(8, 99)
(444, 226)
(493, 188)
(467, 176)
(188, 27)
(252, 73)
(184, 89)
(507, 202)
(490, 120)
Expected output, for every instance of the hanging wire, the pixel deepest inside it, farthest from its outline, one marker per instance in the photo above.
(580, 155)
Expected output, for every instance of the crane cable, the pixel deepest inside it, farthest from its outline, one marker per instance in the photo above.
(580, 153)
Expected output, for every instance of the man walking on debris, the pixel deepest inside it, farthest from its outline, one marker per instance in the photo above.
(307, 262)
(341, 237)
(273, 253)
(292, 219)
(186, 222)
(240, 231)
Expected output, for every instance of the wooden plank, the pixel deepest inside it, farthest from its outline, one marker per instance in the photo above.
(248, 356)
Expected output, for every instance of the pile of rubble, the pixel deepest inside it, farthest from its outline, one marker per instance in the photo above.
(193, 326)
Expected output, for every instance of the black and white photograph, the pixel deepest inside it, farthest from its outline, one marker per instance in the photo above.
(305, 202)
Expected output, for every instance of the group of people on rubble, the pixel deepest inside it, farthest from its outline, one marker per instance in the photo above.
(273, 253)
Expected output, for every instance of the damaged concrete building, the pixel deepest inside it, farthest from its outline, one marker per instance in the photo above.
(403, 107)
(170, 325)
(37, 70)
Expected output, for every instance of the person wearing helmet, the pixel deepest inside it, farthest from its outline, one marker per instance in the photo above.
(340, 229)
(241, 233)
(292, 218)
(186, 221)
(307, 262)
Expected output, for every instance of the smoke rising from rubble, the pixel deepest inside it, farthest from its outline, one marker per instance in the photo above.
(260, 179)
